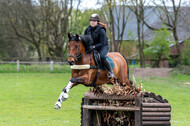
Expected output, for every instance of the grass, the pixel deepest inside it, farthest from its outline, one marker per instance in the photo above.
(176, 92)
(27, 99)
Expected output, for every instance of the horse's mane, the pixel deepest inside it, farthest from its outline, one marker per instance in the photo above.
(87, 41)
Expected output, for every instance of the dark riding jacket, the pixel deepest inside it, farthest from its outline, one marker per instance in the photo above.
(98, 34)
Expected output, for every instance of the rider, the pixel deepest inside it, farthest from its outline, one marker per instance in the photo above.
(100, 41)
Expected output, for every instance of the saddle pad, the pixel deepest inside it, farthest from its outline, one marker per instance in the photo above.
(111, 63)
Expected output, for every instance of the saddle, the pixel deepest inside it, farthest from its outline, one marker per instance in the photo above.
(99, 66)
(98, 61)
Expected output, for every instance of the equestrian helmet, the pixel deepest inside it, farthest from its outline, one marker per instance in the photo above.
(94, 17)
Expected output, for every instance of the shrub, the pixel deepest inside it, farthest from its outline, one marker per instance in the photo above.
(159, 47)
(181, 69)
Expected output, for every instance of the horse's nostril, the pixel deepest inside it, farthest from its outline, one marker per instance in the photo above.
(71, 62)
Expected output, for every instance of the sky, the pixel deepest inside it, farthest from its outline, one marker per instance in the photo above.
(85, 4)
(92, 4)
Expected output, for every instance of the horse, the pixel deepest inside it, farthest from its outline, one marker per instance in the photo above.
(80, 56)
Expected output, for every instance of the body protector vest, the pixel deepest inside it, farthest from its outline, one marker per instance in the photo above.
(94, 32)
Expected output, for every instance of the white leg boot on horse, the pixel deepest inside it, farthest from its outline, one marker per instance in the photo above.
(63, 96)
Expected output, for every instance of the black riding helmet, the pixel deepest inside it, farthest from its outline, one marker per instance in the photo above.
(94, 17)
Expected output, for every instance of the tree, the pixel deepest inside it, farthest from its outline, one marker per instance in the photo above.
(26, 22)
(186, 53)
(138, 8)
(169, 17)
(159, 47)
(43, 25)
(57, 24)
(117, 20)
(11, 45)
(122, 16)
(110, 5)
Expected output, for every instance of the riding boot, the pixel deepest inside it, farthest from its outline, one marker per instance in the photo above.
(108, 68)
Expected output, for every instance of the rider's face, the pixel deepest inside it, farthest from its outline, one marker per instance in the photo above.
(93, 23)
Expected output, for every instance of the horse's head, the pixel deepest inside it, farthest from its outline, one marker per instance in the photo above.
(76, 48)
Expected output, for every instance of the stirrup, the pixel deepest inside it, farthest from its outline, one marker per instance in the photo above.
(111, 75)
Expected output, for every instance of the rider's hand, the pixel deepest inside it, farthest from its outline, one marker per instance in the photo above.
(91, 47)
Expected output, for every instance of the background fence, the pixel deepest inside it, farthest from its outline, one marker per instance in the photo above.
(59, 66)
(25, 66)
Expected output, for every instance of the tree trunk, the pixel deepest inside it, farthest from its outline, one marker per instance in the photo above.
(59, 53)
(141, 53)
(114, 46)
(39, 53)
(157, 63)
(176, 41)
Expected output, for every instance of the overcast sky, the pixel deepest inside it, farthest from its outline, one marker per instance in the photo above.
(85, 4)
(92, 4)
(89, 4)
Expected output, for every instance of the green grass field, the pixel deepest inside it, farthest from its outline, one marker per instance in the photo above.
(27, 99)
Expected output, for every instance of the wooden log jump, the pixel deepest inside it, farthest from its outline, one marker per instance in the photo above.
(144, 109)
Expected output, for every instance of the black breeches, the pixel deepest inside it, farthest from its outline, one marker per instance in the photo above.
(103, 52)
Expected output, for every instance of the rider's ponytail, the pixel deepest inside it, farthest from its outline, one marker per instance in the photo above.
(104, 25)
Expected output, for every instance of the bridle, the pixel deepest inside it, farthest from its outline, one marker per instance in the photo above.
(77, 56)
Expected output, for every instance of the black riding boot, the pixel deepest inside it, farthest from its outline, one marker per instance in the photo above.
(107, 66)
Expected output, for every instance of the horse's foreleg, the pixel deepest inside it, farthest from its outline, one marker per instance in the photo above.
(64, 94)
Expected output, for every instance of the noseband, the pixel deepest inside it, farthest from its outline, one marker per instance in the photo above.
(77, 56)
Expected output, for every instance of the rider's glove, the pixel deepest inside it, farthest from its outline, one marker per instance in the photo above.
(91, 47)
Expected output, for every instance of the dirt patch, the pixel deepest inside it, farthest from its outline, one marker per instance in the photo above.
(187, 83)
(148, 72)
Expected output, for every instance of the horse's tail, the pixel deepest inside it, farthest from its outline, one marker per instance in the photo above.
(127, 66)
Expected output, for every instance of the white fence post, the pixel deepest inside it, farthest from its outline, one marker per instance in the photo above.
(17, 62)
(51, 65)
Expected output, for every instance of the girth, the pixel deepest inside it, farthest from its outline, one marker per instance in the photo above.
(97, 66)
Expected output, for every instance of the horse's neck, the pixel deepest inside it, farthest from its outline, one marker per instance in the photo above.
(86, 58)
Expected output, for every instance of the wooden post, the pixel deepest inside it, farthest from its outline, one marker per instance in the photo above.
(51, 65)
(17, 65)
(138, 114)
(86, 114)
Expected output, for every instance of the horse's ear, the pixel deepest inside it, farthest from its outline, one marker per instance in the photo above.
(77, 36)
(69, 35)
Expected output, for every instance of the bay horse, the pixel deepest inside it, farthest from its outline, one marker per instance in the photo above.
(79, 56)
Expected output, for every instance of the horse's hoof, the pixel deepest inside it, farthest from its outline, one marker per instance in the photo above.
(57, 105)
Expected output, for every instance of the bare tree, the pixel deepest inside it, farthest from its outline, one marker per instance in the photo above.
(110, 5)
(138, 8)
(120, 25)
(26, 22)
(169, 16)
(117, 22)
(44, 24)
(56, 15)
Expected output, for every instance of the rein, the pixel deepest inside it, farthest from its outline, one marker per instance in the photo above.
(77, 56)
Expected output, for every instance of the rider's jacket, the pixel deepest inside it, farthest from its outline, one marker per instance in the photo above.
(98, 34)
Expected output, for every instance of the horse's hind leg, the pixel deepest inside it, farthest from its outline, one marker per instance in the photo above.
(64, 95)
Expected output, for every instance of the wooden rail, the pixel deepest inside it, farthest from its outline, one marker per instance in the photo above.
(128, 108)
(110, 97)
